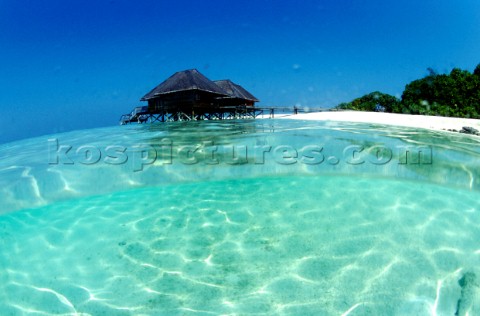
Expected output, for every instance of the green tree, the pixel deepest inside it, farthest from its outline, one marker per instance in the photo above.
(454, 94)
(476, 72)
(375, 101)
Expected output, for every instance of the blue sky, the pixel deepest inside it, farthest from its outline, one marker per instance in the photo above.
(79, 64)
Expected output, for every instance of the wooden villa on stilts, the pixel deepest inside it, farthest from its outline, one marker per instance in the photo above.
(189, 95)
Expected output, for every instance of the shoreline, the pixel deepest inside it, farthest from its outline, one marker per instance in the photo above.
(438, 123)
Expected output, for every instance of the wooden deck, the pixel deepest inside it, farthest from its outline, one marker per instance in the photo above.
(138, 115)
(142, 115)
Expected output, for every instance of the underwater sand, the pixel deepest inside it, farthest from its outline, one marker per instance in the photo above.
(178, 239)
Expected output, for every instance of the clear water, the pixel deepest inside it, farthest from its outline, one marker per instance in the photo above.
(230, 236)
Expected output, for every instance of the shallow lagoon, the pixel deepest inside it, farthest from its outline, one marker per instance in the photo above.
(202, 228)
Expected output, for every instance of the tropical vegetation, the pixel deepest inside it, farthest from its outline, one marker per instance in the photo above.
(456, 94)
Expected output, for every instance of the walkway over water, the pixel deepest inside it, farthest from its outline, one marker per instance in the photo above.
(142, 115)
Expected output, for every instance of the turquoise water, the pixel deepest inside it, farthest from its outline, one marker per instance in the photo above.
(270, 232)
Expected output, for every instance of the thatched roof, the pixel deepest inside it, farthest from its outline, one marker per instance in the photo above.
(234, 90)
(185, 80)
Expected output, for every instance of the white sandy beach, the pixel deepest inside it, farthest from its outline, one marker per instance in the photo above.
(418, 121)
